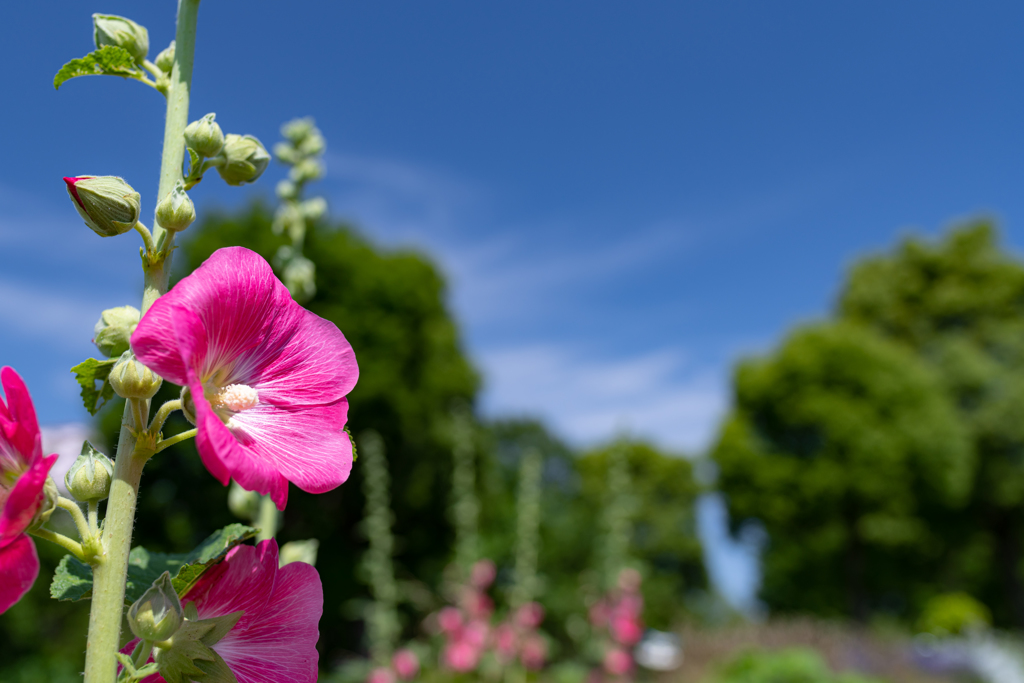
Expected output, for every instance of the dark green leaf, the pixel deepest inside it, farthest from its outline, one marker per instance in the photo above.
(88, 373)
(72, 580)
(108, 60)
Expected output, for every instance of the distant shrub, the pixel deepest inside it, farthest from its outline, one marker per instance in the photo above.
(953, 613)
(795, 665)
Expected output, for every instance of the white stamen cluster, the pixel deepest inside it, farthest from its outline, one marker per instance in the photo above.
(235, 397)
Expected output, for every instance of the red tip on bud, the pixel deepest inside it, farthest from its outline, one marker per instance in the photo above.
(73, 190)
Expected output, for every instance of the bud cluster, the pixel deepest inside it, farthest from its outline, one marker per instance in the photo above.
(302, 150)
(239, 159)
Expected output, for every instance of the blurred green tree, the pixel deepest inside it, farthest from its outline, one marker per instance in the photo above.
(959, 304)
(841, 442)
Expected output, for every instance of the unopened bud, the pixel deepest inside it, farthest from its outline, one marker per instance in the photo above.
(313, 145)
(306, 170)
(113, 330)
(131, 379)
(244, 159)
(299, 277)
(175, 212)
(165, 60)
(188, 406)
(205, 136)
(110, 29)
(107, 203)
(157, 615)
(286, 189)
(49, 505)
(314, 209)
(297, 130)
(88, 479)
(243, 504)
(299, 551)
(286, 153)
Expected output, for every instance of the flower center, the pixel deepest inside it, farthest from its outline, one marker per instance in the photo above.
(234, 398)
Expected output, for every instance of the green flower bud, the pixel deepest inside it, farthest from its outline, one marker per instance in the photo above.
(244, 159)
(157, 615)
(188, 406)
(113, 330)
(50, 496)
(108, 205)
(175, 212)
(297, 130)
(286, 153)
(131, 379)
(89, 478)
(243, 504)
(299, 551)
(165, 60)
(299, 277)
(313, 145)
(109, 29)
(205, 136)
(286, 189)
(314, 208)
(306, 170)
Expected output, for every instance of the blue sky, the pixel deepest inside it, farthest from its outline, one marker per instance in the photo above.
(626, 196)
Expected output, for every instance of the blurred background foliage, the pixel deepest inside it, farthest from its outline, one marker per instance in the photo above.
(882, 451)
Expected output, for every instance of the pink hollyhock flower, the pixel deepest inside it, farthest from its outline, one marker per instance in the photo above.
(449, 620)
(478, 605)
(534, 653)
(505, 642)
(381, 674)
(482, 574)
(529, 615)
(460, 655)
(598, 614)
(275, 640)
(476, 633)
(23, 474)
(406, 664)
(268, 378)
(618, 662)
(626, 629)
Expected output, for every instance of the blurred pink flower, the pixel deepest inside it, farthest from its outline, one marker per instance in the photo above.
(449, 620)
(529, 615)
(478, 605)
(482, 574)
(381, 674)
(406, 664)
(505, 642)
(598, 614)
(534, 652)
(460, 655)
(275, 640)
(618, 662)
(476, 633)
(23, 474)
(626, 629)
(629, 580)
(268, 378)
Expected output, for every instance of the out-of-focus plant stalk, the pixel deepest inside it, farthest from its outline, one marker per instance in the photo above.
(617, 515)
(465, 508)
(527, 529)
(382, 619)
(110, 573)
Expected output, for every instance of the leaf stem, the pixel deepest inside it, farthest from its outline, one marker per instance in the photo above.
(161, 415)
(147, 237)
(143, 655)
(72, 507)
(177, 438)
(73, 547)
(109, 575)
(94, 516)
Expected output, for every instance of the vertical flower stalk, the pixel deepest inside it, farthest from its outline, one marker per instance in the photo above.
(109, 574)
(617, 520)
(465, 507)
(382, 618)
(527, 529)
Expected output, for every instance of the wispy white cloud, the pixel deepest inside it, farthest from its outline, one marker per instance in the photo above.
(589, 399)
(36, 313)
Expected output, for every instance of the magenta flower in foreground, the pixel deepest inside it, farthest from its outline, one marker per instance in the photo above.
(23, 473)
(275, 640)
(268, 378)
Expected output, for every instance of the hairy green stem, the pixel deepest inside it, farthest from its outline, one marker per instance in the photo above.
(267, 519)
(177, 438)
(161, 415)
(63, 541)
(81, 524)
(109, 574)
(94, 517)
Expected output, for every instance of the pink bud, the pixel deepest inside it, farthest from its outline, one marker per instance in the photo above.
(461, 656)
(529, 615)
(483, 573)
(617, 662)
(406, 664)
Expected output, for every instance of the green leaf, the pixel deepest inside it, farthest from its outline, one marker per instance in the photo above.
(87, 373)
(72, 580)
(108, 60)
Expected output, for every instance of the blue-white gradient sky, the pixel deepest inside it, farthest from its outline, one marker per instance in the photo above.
(625, 196)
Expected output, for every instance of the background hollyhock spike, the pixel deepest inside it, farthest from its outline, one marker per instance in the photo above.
(465, 506)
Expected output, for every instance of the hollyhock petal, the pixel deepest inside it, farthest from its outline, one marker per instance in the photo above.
(24, 499)
(245, 580)
(18, 416)
(19, 567)
(307, 446)
(406, 664)
(281, 644)
(316, 366)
